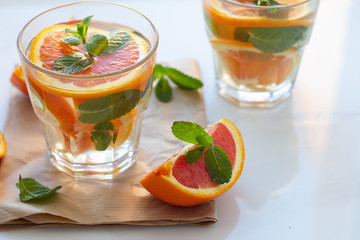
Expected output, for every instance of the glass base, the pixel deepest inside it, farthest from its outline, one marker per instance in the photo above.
(262, 99)
(100, 171)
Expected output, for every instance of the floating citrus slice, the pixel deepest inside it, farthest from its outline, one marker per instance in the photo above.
(2, 145)
(246, 64)
(47, 46)
(182, 184)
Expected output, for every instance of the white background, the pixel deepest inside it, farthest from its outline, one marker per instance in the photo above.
(301, 178)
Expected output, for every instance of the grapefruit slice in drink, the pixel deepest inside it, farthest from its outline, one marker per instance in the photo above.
(247, 65)
(62, 95)
(182, 184)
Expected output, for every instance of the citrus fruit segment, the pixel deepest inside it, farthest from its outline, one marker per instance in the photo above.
(179, 183)
(247, 65)
(2, 145)
(18, 79)
(47, 46)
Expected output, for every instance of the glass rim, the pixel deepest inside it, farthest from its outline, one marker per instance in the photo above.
(69, 76)
(267, 7)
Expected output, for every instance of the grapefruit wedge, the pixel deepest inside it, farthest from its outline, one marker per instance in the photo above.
(182, 184)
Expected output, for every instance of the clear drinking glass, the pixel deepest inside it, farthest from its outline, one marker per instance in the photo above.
(91, 123)
(257, 49)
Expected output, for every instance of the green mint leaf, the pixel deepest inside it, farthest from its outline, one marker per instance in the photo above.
(241, 34)
(68, 30)
(268, 3)
(80, 30)
(218, 164)
(72, 63)
(188, 131)
(163, 91)
(96, 44)
(194, 155)
(159, 71)
(108, 107)
(210, 25)
(85, 24)
(275, 39)
(101, 136)
(182, 80)
(116, 133)
(117, 40)
(73, 40)
(31, 189)
(203, 140)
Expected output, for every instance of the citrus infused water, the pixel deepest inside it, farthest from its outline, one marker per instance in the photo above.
(257, 46)
(90, 98)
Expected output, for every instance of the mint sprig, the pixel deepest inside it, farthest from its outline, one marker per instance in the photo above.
(268, 3)
(96, 45)
(31, 189)
(216, 160)
(163, 89)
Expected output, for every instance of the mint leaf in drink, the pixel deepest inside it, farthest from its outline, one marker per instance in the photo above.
(73, 40)
(76, 34)
(268, 3)
(275, 39)
(116, 133)
(218, 164)
(188, 132)
(210, 25)
(241, 34)
(102, 136)
(163, 91)
(117, 40)
(96, 44)
(194, 155)
(183, 80)
(72, 63)
(31, 189)
(109, 107)
(83, 27)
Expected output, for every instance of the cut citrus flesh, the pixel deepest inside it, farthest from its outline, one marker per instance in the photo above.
(246, 64)
(47, 46)
(18, 79)
(179, 183)
(2, 145)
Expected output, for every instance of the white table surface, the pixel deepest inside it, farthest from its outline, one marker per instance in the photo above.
(301, 178)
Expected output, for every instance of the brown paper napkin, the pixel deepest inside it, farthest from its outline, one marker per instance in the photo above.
(119, 201)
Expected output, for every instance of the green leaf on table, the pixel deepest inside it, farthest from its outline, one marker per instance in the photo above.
(102, 136)
(275, 39)
(31, 189)
(194, 155)
(183, 80)
(96, 44)
(218, 164)
(159, 71)
(109, 107)
(73, 40)
(72, 63)
(117, 40)
(188, 132)
(163, 91)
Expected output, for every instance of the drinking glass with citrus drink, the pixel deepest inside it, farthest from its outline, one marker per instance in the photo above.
(88, 68)
(257, 46)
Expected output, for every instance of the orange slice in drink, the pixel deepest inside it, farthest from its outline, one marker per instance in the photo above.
(247, 65)
(182, 184)
(18, 80)
(2, 145)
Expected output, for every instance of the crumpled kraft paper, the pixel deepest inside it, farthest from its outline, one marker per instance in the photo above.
(120, 201)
